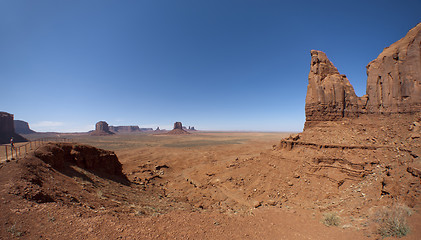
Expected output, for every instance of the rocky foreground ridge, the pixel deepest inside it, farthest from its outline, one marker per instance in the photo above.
(393, 84)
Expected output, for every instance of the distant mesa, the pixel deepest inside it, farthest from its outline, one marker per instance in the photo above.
(22, 127)
(101, 129)
(7, 129)
(393, 84)
(146, 129)
(192, 129)
(124, 129)
(178, 129)
(157, 129)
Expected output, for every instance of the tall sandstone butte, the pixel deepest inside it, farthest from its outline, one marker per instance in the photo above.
(393, 84)
(7, 129)
(101, 129)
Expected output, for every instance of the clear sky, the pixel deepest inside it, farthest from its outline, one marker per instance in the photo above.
(215, 64)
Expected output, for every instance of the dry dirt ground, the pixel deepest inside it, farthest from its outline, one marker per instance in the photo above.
(209, 186)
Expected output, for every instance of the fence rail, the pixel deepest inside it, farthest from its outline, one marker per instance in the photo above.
(10, 153)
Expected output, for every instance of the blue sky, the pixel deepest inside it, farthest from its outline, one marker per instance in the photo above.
(215, 65)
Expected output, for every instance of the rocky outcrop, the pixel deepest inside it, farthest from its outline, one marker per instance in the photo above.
(101, 129)
(7, 129)
(393, 84)
(124, 129)
(394, 78)
(330, 96)
(60, 155)
(178, 129)
(22, 127)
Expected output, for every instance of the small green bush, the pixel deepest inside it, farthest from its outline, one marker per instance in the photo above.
(392, 221)
(331, 219)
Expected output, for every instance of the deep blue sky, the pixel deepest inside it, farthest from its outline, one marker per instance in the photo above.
(215, 65)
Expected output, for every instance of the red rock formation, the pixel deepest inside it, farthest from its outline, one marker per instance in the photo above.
(394, 77)
(330, 96)
(178, 125)
(393, 84)
(101, 129)
(7, 129)
(178, 129)
(58, 155)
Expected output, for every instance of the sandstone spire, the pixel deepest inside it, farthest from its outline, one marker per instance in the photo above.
(330, 96)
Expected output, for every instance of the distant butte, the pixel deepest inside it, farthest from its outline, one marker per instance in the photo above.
(178, 129)
(101, 129)
(22, 127)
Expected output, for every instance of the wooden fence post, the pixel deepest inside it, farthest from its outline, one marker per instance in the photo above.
(5, 147)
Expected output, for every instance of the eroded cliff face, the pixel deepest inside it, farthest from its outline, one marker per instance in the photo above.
(393, 84)
(394, 78)
(22, 127)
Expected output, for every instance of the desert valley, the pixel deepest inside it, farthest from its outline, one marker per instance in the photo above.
(353, 173)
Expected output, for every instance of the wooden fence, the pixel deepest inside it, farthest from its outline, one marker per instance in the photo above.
(9, 153)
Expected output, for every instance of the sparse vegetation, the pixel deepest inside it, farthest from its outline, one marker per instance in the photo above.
(331, 219)
(392, 221)
(14, 231)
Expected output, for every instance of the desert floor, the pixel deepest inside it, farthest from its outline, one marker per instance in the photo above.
(207, 185)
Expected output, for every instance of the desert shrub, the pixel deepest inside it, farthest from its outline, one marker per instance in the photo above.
(392, 221)
(331, 219)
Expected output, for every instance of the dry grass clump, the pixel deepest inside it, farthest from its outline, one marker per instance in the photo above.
(331, 219)
(392, 222)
